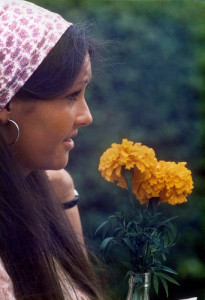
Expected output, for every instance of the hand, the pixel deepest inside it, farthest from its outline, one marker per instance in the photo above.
(62, 184)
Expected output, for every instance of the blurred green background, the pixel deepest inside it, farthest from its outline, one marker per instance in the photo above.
(149, 88)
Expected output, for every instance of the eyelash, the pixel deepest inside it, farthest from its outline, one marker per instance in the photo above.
(73, 96)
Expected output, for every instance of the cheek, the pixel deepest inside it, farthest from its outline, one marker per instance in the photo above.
(42, 132)
(57, 126)
(45, 137)
(58, 129)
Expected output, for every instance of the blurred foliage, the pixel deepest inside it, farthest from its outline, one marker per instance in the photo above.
(149, 88)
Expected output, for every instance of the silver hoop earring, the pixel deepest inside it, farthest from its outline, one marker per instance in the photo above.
(17, 128)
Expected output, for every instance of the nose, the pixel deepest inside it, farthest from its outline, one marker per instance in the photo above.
(84, 116)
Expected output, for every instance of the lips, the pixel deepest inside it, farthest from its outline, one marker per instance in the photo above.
(69, 144)
(70, 136)
(68, 141)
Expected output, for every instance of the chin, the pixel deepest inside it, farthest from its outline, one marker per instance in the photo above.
(51, 162)
(58, 165)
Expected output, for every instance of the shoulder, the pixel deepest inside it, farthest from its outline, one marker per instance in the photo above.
(6, 286)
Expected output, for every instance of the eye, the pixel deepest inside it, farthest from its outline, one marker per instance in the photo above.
(73, 96)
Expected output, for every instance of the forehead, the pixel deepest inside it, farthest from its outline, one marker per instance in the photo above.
(85, 73)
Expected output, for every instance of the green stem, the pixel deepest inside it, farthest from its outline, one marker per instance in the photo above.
(153, 203)
(128, 178)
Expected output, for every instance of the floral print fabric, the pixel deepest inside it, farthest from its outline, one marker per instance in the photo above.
(6, 286)
(7, 292)
(27, 34)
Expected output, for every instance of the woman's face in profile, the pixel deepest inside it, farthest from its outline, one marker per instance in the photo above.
(47, 126)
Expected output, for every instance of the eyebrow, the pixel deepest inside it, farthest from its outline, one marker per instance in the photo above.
(85, 81)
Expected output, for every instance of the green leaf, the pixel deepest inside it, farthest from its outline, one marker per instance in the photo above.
(168, 278)
(130, 224)
(129, 244)
(117, 231)
(101, 226)
(170, 219)
(156, 283)
(167, 269)
(164, 257)
(165, 286)
(112, 217)
(105, 243)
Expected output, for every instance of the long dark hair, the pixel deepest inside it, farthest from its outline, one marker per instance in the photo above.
(36, 238)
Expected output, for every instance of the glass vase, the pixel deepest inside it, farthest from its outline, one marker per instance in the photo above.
(139, 284)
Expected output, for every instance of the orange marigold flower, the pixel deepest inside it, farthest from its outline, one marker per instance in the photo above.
(178, 183)
(168, 181)
(148, 184)
(126, 155)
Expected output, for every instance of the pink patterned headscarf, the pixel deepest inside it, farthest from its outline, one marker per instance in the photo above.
(27, 34)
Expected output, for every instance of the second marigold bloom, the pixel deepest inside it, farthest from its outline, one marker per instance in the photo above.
(169, 181)
(178, 182)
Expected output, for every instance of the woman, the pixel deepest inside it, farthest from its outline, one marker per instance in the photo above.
(45, 66)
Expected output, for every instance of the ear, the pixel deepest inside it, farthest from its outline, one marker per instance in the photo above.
(5, 114)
